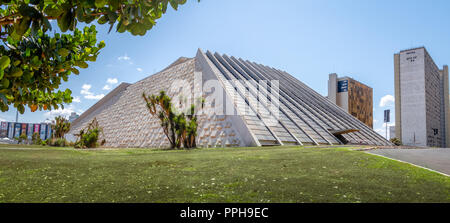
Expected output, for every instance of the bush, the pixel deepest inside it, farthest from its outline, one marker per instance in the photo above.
(36, 138)
(88, 137)
(61, 142)
(396, 141)
(22, 138)
(45, 142)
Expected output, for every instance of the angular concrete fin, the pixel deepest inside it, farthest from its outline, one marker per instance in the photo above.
(210, 75)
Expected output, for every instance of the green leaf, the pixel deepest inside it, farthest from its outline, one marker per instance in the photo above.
(4, 62)
(81, 64)
(103, 20)
(16, 72)
(114, 4)
(65, 21)
(21, 108)
(100, 3)
(5, 82)
(63, 52)
(101, 44)
(22, 26)
(174, 4)
(75, 70)
(53, 11)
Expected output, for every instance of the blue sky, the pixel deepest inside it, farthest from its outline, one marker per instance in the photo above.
(308, 39)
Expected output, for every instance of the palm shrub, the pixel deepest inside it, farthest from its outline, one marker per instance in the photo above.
(180, 129)
(61, 127)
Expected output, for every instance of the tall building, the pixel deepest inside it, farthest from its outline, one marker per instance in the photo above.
(246, 104)
(354, 97)
(392, 132)
(73, 116)
(421, 99)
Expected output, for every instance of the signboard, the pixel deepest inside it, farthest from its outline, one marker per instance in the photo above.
(342, 86)
(24, 129)
(49, 132)
(42, 132)
(30, 131)
(387, 116)
(36, 128)
(17, 127)
(4, 130)
(10, 130)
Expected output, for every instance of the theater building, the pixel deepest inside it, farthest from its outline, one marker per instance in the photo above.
(246, 104)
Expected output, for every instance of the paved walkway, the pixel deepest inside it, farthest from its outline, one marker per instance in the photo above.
(435, 159)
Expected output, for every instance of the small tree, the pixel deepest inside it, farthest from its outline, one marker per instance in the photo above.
(61, 127)
(180, 129)
(22, 138)
(36, 138)
(33, 63)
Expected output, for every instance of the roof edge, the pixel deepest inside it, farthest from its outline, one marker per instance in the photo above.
(122, 86)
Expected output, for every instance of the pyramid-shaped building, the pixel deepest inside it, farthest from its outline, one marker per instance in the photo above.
(246, 104)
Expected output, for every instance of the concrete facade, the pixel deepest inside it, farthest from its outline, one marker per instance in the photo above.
(392, 132)
(354, 97)
(246, 104)
(421, 95)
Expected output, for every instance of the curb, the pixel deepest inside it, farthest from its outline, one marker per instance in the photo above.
(409, 163)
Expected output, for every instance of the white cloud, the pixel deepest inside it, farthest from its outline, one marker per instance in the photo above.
(76, 99)
(85, 89)
(94, 97)
(139, 69)
(89, 95)
(125, 57)
(111, 81)
(59, 112)
(387, 100)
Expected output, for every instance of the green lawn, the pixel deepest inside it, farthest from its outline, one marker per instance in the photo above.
(269, 174)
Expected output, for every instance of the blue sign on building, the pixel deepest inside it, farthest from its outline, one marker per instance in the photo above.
(342, 86)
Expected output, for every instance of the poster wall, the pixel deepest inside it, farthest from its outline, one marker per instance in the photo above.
(17, 128)
(12, 130)
(43, 131)
(4, 130)
(30, 131)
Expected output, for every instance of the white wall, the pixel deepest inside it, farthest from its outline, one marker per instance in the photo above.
(412, 85)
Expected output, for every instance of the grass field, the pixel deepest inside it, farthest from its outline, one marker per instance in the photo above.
(276, 174)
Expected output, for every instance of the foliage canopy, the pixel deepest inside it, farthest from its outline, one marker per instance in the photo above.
(33, 63)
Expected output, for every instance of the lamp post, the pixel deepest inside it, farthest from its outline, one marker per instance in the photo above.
(387, 119)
